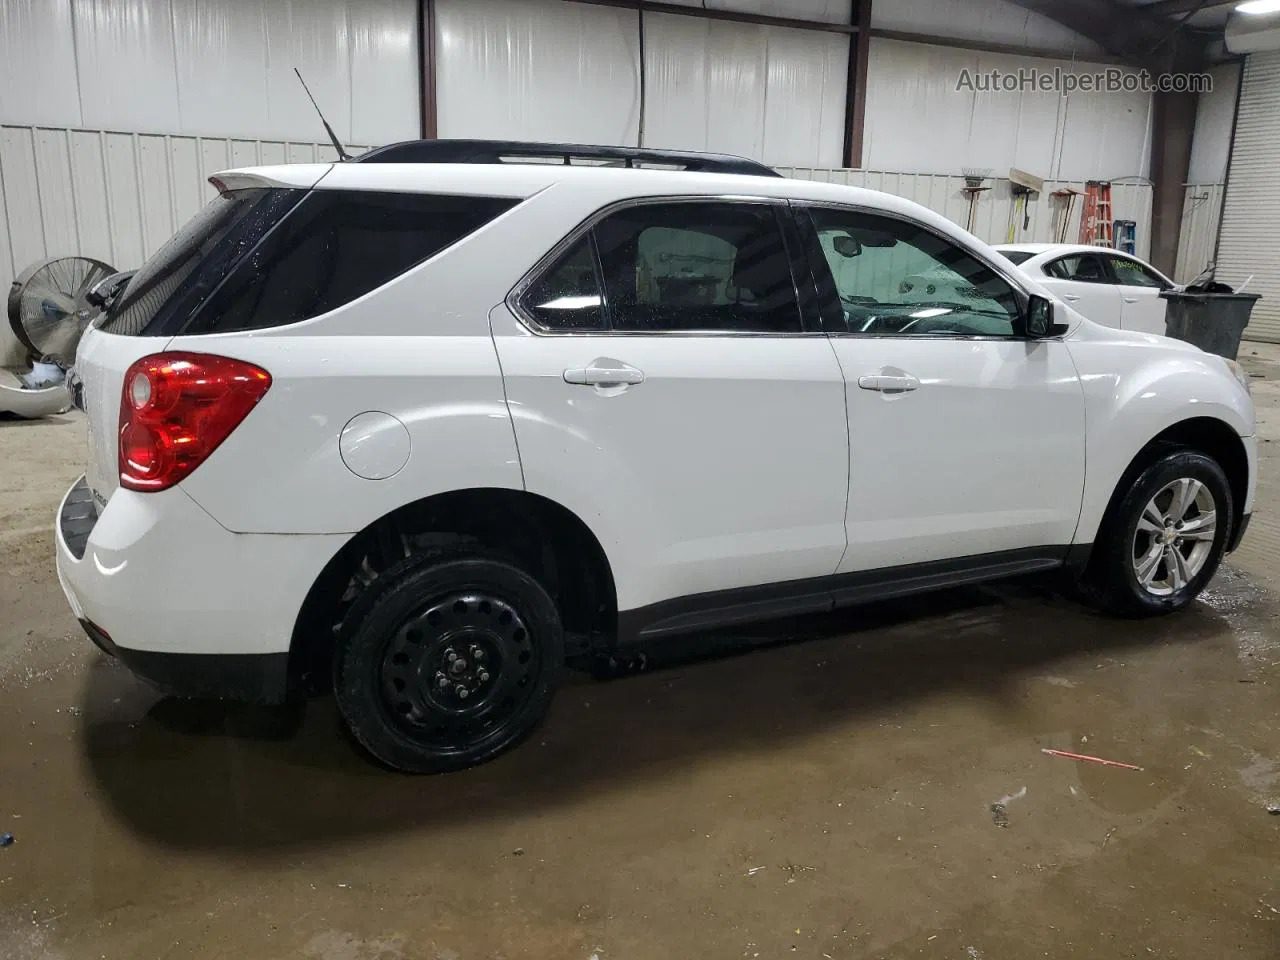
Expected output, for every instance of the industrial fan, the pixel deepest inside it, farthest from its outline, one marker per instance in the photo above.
(49, 306)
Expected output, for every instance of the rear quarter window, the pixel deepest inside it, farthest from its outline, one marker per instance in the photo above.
(179, 276)
(267, 257)
(1016, 256)
(335, 247)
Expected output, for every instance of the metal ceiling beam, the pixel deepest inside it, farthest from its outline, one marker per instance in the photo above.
(731, 16)
(988, 46)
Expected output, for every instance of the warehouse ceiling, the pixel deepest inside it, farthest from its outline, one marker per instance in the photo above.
(1211, 15)
(1148, 33)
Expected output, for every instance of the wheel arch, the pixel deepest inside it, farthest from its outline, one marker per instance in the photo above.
(1208, 435)
(546, 539)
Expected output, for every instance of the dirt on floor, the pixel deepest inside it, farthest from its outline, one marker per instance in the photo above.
(870, 784)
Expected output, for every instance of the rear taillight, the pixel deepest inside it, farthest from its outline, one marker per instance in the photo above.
(175, 408)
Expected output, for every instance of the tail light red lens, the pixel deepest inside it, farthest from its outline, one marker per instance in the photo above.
(176, 408)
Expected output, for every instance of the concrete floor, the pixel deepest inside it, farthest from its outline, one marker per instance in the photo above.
(821, 788)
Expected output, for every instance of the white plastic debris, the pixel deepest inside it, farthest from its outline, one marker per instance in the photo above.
(18, 398)
(42, 375)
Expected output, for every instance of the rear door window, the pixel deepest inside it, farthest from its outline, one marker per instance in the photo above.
(569, 296)
(679, 266)
(698, 266)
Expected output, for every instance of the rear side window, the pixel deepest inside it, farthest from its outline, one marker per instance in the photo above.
(697, 266)
(337, 246)
(265, 258)
(685, 266)
(568, 296)
(183, 272)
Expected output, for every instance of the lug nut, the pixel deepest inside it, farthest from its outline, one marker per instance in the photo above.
(462, 692)
(484, 677)
(450, 655)
(442, 681)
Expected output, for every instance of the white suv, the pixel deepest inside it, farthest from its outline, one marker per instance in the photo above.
(422, 426)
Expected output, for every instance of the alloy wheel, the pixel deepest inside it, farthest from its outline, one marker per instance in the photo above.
(1174, 536)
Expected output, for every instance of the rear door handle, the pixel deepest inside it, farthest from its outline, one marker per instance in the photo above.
(1070, 297)
(1129, 299)
(604, 372)
(883, 383)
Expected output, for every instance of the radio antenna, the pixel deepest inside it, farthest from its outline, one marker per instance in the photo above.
(333, 137)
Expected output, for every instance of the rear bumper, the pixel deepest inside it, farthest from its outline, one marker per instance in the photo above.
(186, 604)
(248, 677)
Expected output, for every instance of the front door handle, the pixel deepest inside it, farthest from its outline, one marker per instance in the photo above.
(604, 372)
(1070, 297)
(882, 383)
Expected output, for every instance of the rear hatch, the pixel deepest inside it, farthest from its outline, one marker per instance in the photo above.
(157, 303)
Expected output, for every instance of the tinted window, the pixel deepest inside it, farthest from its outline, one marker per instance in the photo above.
(1130, 273)
(711, 266)
(194, 261)
(1082, 267)
(334, 247)
(568, 297)
(895, 278)
(1016, 256)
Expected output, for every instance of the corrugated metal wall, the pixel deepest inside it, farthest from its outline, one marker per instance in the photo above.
(212, 67)
(1210, 150)
(1252, 207)
(112, 196)
(920, 121)
(1201, 216)
(944, 195)
(548, 70)
(518, 68)
(1215, 113)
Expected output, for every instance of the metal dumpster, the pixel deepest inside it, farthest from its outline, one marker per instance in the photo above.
(1213, 322)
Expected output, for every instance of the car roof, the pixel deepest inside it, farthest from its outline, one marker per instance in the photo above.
(523, 180)
(1037, 249)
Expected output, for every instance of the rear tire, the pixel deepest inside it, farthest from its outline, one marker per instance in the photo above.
(1162, 541)
(450, 658)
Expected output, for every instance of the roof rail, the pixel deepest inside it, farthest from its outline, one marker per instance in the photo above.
(515, 151)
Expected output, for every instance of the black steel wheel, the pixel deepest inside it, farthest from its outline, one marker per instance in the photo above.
(449, 659)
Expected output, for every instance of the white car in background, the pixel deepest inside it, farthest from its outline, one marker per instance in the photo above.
(1108, 286)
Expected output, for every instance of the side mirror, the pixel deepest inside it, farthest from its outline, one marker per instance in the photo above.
(847, 246)
(1039, 319)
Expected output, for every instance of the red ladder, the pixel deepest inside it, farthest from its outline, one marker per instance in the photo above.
(1095, 219)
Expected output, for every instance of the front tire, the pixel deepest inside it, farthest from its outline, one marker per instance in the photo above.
(1161, 543)
(450, 658)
